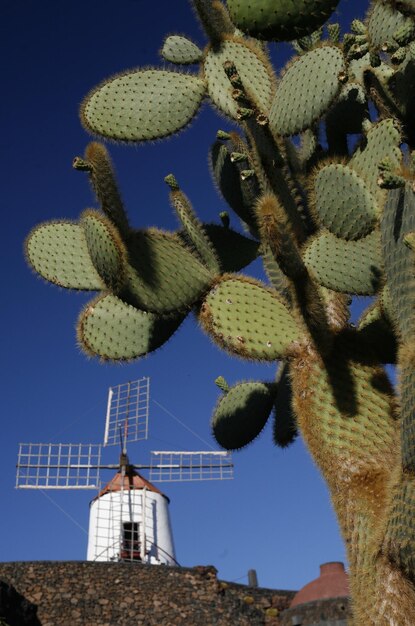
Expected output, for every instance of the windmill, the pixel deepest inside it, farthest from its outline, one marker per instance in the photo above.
(129, 517)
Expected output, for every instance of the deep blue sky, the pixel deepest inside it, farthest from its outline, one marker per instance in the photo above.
(275, 516)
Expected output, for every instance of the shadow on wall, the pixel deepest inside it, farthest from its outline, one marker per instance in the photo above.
(15, 610)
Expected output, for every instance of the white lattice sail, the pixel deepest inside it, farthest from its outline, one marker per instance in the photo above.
(182, 466)
(127, 412)
(58, 466)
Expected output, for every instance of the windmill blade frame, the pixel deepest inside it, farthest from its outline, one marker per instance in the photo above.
(127, 412)
(58, 466)
(178, 466)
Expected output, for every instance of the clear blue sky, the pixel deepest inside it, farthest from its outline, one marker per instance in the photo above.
(275, 515)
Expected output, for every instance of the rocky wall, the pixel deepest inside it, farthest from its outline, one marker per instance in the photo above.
(76, 593)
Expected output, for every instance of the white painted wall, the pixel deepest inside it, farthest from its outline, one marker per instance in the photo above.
(109, 511)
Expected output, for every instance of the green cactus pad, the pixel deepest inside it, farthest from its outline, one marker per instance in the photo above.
(253, 70)
(399, 220)
(58, 251)
(241, 194)
(280, 20)
(103, 182)
(234, 251)
(195, 230)
(113, 330)
(105, 247)
(372, 315)
(401, 85)
(179, 49)
(308, 147)
(242, 413)
(377, 333)
(342, 202)
(383, 22)
(382, 141)
(142, 104)
(307, 90)
(273, 271)
(284, 424)
(247, 319)
(347, 266)
(163, 275)
(348, 113)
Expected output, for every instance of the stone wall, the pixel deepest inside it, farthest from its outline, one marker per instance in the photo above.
(76, 593)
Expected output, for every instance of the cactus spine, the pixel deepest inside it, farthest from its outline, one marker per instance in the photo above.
(330, 222)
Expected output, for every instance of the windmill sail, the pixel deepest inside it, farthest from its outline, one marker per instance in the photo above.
(127, 412)
(58, 466)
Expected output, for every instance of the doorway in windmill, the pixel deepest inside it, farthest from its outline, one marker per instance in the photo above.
(130, 549)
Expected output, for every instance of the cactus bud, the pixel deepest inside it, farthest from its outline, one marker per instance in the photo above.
(334, 32)
(224, 217)
(222, 384)
(389, 180)
(223, 135)
(172, 182)
(247, 174)
(358, 27)
(238, 156)
(80, 164)
(244, 113)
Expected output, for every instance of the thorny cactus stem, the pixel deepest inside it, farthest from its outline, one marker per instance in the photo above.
(329, 222)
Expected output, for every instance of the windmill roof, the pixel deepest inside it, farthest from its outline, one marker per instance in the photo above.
(132, 480)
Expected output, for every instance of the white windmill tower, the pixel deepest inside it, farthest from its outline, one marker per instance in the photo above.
(129, 518)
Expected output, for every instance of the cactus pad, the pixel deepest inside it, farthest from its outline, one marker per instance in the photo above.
(102, 177)
(307, 90)
(241, 194)
(342, 202)
(275, 275)
(280, 20)
(348, 113)
(234, 251)
(113, 330)
(345, 266)
(58, 251)
(163, 276)
(106, 248)
(253, 71)
(179, 49)
(247, 319)
(142, 104)
(383, 22)
(377, 333)
(382, 141)
(242, 413)
(398, 220)
(194, 230)
(284, 426)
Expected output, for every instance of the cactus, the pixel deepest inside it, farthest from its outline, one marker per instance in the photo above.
(331, 216)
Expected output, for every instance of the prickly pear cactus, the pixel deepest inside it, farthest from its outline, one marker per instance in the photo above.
(321, 175)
